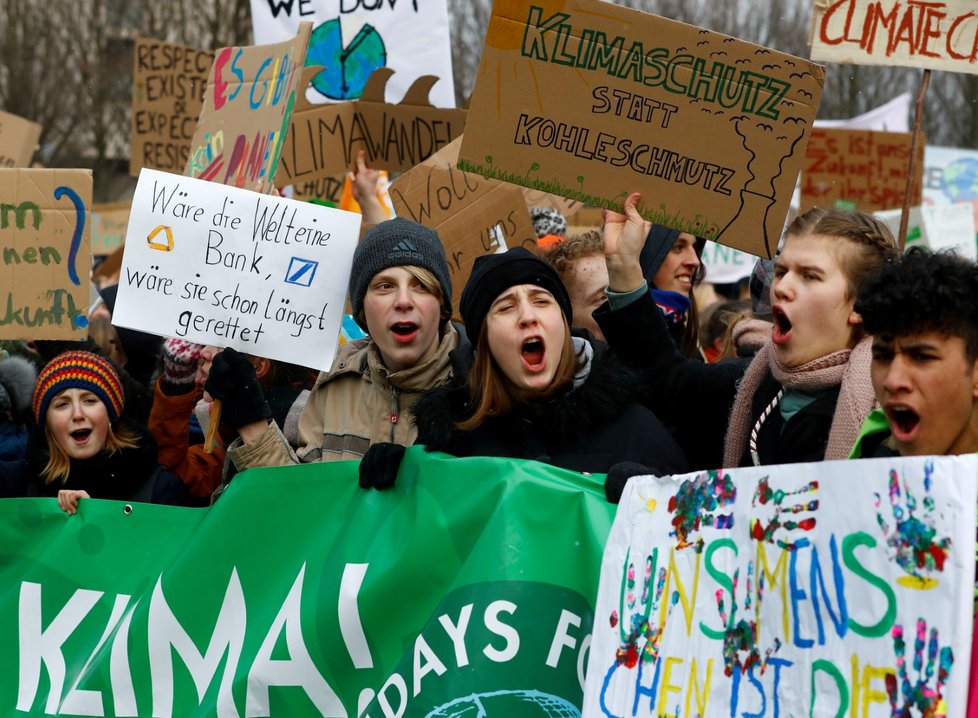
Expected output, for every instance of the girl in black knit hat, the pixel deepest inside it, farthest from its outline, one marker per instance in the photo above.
(535, 391)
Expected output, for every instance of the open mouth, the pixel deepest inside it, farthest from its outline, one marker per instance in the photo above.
(903, 421)
(404, 332)
(533, 352)
(782, 325)
(80, 436)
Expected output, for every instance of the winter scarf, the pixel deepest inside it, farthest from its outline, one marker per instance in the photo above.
(847, 369)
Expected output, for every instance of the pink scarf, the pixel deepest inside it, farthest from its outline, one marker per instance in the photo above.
(847, 369)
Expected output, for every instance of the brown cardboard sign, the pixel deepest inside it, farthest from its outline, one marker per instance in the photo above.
(109, 224)
(591, 101)
(939, 35)
(168, 84)
(327, 189)
(859, 169)
(251, 92)
(324, 139)
(18, 140)
(44, 255)
(473, 215)
(536, 198)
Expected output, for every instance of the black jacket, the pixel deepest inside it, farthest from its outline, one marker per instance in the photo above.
(127, 475)
(803, 438)
(590, 428)
(692, 397)
(695, 399)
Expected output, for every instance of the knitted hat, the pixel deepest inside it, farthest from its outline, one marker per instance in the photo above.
(492, 274)
(547, 220)
(78, 370)
(397, 242)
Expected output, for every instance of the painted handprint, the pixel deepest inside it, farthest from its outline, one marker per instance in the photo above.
(639, 634)
(914, 538)
(904, 695)
(781, 516)
(740, 650)
(696, 502)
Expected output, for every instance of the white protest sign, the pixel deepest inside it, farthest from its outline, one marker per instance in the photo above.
(951, 226)
(726, 265)
(827, 589)
(352, 38)
(225, 266)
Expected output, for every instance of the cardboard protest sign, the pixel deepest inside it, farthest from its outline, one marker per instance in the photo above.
(323, 140)
(168, 84)
(859, 169)
(936, 35)
(326, 189)
(591, 101)
(809, 589)
(109, 223)
(44, 254)
(473, 215)
(251, 92)
(219, 265)
(352, 38)
(916, 231)
(536, 198)
(18, 140)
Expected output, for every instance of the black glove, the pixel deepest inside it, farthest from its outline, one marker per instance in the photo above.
(379, 466)
(232, 379)
(618, 476)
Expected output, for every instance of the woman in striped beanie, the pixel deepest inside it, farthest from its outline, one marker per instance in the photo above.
(84, 445)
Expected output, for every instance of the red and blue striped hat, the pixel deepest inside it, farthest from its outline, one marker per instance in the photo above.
(78, 370)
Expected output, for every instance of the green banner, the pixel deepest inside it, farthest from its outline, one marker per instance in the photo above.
(466, 590)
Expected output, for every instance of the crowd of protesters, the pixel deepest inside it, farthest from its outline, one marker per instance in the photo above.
(585, 354)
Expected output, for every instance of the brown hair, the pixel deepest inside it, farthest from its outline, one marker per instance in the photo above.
(564, 255)
(870, 243)
(491, 393)
(58, 465)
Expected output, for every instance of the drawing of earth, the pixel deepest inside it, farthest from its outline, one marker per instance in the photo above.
(960, 180)
(518, 704)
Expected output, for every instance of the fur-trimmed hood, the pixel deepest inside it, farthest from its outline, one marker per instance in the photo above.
(17, 378)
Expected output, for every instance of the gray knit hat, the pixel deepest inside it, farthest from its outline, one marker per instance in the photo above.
(397, 242)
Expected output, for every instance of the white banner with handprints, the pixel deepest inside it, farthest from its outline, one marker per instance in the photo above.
(352, 38)
(234, 268)
(829, 589)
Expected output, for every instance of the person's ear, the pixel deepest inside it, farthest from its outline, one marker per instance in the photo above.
(262, 366)
(855, 318)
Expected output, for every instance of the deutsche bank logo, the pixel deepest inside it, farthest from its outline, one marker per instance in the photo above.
(301, 271)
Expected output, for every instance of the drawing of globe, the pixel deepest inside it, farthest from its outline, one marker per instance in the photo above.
(346, 69)
(511, 704)
(960, 180)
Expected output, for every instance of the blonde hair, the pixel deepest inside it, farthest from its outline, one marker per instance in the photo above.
(491, 393)
(430, 282)
(58, 466)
